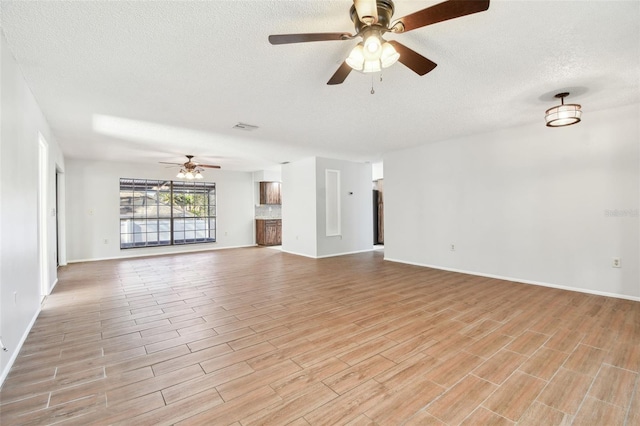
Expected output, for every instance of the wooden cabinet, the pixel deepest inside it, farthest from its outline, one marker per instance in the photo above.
(270, 193)
(269, 232)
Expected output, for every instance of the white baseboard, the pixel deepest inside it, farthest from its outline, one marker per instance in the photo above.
(97, 259)
(344, 253)
(327, 255)
(53, 286)
(299, 254)
(520, 280)
(16, 350)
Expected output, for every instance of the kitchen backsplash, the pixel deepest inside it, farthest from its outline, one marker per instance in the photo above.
(271, 211)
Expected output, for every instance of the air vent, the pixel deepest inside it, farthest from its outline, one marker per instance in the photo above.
(246, 127)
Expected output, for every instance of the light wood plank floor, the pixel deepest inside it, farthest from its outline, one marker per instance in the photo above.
(257, 336)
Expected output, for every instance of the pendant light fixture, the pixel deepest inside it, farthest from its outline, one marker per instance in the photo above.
(563, 114)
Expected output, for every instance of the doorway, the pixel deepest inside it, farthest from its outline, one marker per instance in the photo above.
(378, 213)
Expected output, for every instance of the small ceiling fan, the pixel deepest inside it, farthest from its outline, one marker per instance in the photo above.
(191, 169)
(372, 19)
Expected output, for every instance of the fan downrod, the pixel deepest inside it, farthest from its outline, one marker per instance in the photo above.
(385, 12)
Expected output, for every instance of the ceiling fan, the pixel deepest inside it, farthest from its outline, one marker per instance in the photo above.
(191, 169)
(372, 19)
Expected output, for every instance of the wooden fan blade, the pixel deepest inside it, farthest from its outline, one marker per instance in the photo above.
(340, 75)
(303, 38)
(412, 59)
(175, 164)
(210, 166)
(442, 12)
(367, 11)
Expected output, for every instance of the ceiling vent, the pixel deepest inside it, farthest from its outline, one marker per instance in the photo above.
(246, 127)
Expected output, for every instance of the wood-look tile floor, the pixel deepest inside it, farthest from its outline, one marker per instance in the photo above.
(257, 336)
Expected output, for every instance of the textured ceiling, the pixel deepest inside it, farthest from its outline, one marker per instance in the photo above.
(148, 81)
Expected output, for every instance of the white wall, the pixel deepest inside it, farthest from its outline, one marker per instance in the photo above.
(304, 208)
(93, 210)
(531, 204)
(299, 207)
(264, 176)
(21, 123)
(377, 171)
(356, 208)
(268, 175)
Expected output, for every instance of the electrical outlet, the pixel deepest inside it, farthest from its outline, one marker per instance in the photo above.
(106, 241)
(616, 263)
(453, 247)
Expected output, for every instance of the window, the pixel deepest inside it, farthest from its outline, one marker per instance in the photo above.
(161, 213)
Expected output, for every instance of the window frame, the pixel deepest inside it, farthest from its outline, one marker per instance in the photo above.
(161, 213)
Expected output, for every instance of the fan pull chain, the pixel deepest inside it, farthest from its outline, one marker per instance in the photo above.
(372, 90)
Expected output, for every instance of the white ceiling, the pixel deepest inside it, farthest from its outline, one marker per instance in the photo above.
(149, 81)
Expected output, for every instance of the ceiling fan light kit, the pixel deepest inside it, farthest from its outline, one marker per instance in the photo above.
(191, 170)
(563, 114)
(372, 56)
(184, 174)
(372, 19)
